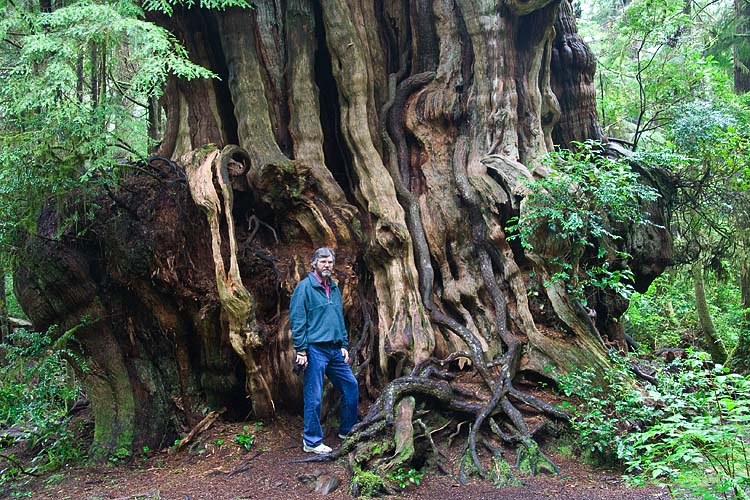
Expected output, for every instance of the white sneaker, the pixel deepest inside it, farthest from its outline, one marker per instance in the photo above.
(321, 449)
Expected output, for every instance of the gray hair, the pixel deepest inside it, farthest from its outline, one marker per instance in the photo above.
(323, 252)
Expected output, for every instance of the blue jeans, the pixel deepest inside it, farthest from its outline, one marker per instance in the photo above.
(326, 358)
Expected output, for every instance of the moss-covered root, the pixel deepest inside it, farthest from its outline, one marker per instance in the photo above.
(501, 474)
(531, 460)
(367, 483)
(403, 434)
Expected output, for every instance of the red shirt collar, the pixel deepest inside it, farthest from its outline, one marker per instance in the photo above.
(326, 284)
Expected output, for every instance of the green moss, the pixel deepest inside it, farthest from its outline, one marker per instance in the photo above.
(532, 461)
(502, 475)
(104, 418)
(356, 226)
(114, 411)
(565, 444)
(368, 450)
(468, 464)
(367, 484)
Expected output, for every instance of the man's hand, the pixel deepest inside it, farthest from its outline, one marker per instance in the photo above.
(301, 359)
(345, 355)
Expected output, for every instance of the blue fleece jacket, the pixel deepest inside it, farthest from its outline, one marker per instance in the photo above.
(314, 317)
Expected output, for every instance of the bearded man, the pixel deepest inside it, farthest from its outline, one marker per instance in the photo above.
(321, 342)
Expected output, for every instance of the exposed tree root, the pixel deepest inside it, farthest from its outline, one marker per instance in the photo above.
(386, 438)
(433, 380)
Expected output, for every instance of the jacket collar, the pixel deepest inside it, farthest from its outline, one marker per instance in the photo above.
(318, 284)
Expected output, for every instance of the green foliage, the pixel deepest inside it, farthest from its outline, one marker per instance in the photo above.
(11, 301)
(246, 439)
(167, 6)
(119, 455)
(653, 57)
(665, 316)
(708, 157)
(713, 173)
(691, 432)
(74, 100)
(580, 206)
(704, 432)
(404, 478)
(607, 412)
(35, 395)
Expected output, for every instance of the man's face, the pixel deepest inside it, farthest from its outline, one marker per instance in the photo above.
(324, 266)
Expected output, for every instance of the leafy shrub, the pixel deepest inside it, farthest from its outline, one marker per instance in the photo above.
(35, 395)
(246, 439)
(580, 205)
(606, 412)
(404, 478)
(690, 433)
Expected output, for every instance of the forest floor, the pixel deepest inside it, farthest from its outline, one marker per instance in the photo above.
(215, 467)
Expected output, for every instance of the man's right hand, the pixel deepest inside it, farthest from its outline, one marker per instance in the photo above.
(301, 359)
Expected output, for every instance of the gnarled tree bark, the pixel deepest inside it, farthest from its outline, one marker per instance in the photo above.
(398, 132)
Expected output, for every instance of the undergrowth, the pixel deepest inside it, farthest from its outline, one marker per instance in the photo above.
(691, 433)
(37, 390)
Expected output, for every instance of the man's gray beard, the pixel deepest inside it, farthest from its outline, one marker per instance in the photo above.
(325, 274)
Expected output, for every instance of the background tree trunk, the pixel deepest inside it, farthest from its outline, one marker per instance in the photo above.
(741, 46)
(739, 360)
(4, 321)
(398, 132)
(711, 339)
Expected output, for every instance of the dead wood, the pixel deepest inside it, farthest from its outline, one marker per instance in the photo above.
(202, 426)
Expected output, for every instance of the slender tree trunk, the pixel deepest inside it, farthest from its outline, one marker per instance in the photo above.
(94, 73)
(4, 321)
(80, 78)
(741, 46)
(154, 124)
(739, 360)
(713, 343)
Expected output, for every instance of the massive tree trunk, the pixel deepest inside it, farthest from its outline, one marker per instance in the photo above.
(398, 132)
(740, 358)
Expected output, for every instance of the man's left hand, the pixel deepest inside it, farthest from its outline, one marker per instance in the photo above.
(345, 355)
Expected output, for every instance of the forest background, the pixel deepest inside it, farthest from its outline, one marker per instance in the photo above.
(673, 87)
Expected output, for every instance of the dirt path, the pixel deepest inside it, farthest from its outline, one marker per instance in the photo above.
(215, 468)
